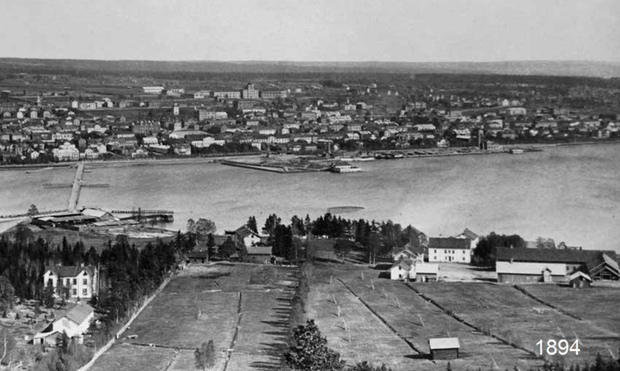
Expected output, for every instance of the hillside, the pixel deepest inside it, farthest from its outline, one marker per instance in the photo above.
(549, 68)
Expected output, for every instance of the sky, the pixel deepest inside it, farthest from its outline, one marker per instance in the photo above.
(313, 30)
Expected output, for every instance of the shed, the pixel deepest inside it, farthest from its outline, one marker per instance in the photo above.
(200, 257)
(425, 272)
(259, 254)
(579, 280)
(444, 348)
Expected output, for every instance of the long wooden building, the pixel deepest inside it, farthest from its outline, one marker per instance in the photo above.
(529, 265)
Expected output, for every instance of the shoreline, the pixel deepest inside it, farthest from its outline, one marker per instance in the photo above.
(217, 159)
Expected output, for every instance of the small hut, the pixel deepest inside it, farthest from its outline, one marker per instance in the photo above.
(444, 348)
(579, 280)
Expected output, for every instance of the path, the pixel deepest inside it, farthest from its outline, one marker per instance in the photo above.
(77, 187)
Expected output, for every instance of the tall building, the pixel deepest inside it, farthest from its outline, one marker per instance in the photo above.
(250, 92)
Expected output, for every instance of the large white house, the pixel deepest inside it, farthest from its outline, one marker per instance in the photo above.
(82, 281)
(449, 249)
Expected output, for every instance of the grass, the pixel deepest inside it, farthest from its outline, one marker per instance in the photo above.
(132, 358)
(579, 302)
(513, 316)
(418, 320)
(224, 303)
(370, 339)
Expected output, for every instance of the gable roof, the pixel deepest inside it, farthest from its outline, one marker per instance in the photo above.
(551, 255)
(444, 343)
(467, 233)
(403, 263)
(579, 274)
(245, 231)
(600, 262)
(449, 243)
(70, 270)
(79, 313)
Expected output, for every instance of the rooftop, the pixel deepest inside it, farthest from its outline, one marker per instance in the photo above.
(444, 343)
(448, 243)
(551, 255)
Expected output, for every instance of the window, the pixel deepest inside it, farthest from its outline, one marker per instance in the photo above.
(74, 292)
(67, 282)
(85, 281)
(84, 292)
(75, 281)
(85, 274)
(463, 258)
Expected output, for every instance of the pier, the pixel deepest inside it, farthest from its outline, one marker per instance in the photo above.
(77, 187)
(161, 215)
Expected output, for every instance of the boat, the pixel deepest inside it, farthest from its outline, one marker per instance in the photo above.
(516, 151)
(345, 168)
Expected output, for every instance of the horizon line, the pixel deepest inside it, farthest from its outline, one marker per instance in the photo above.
(316, 61)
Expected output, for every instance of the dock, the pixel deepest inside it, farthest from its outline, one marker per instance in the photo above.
(139, 214)
(77, 187)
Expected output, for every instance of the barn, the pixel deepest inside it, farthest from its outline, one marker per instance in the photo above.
(444, 348)
(530, 265)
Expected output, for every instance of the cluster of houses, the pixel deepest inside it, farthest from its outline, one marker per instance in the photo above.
(567, 265)
(188, 123)
(256, 249)
(81, 283)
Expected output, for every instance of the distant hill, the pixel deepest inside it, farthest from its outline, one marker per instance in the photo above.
(548, 68)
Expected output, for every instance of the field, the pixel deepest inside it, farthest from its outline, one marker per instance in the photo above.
(243, 308)
(519, 319)
(391, 324)
(604, 313)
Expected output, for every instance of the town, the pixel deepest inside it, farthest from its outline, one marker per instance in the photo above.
(44, 121)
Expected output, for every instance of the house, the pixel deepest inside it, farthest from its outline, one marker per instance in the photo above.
(246, 236)
(74, 322)
(579, 280)
(82, 281)
(444, 348)
(198, 257)
(408, 253)
(449, 249)
(259, 255)
(554, 265)
(401, 269)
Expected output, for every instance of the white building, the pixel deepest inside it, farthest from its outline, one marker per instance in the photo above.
(207, 142)
(449, 249)
(81, 281)
(153, 89)
(74, 323)
(66, 152)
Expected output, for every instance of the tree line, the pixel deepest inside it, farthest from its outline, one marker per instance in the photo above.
(377, 239)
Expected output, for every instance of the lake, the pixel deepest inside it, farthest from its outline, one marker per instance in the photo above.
(565, 193)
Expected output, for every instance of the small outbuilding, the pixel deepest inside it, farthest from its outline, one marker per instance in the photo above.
(425, 272)
(198, 257)
(444, 348)
(259, 255)
(579, 280)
